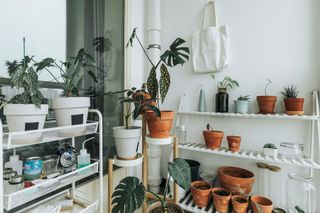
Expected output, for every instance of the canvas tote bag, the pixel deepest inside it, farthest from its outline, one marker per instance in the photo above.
(210, 45)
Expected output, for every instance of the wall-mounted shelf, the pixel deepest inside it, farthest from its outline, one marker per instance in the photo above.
(252, 155)
(251, 115)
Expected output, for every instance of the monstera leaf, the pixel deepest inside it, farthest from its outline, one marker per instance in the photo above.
(176, 55)
(180, 172)
(128, 195)
(164, 82)
(152, 83)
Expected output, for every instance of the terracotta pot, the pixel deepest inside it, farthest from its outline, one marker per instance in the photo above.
(234, 143)
(264, 204)
(237, 180)
(294, 104)
(172, 206)
(239, 203)
(201, 193)
(213, 139)
(266, 104)
(159, 128)
(145, 97)
(221, 199)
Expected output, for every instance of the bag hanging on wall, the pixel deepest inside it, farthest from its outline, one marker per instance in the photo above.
(210, 46)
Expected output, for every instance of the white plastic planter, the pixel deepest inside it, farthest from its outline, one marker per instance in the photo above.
(25, 117)
(270, 152)
(242, 106)
(127, 141)
(71, 111)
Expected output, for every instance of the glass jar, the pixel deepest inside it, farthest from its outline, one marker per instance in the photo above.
(291, 150)
(182, 136)
(300, 192)
(222, 100)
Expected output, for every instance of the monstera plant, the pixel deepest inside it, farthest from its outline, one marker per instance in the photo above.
(129, 194)
(158, 88)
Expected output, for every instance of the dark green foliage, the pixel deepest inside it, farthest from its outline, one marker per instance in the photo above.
(299, 209)
(180, 172)
(164, 82)
(128, 195)
(152, 83)
(102, 44)
(209, 127)
(244, 98)
(176, 55)
(227, 82)
(270, 146)
(24, 77)
(290, 92)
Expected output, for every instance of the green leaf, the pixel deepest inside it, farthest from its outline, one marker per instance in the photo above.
(128, 195)
(180, 172)
(45, 63)
(176, 55)
(164, 82)
(132, 37)
(136, 112)
(152, 83)
(155, 110)
(93, 76)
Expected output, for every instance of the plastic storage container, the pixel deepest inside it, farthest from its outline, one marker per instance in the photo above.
(300, 192)
(15, 164)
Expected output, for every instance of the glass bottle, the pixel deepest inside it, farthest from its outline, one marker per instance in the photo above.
(182, 134)
(262, 179)
(222, 100)
(300, 192)
(274, 183)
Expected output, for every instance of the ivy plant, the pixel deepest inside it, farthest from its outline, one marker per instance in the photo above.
(175, 55)
(23, 76)
(129, 194)
(71, 71)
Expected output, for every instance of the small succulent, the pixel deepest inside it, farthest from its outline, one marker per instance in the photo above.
(209, 127)
(270, 146)
(244, 98)
(290, 92)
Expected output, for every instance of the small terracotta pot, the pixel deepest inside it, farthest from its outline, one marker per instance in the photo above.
(201, 193)
(158, 204)
(159, 128)
(221, 201)
(266, 104)
(234, 143)
(237, 180)
(294, 104)
(239, 203)
(213, 139)
(264, 203)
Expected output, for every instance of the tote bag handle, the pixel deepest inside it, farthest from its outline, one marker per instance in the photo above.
(215, 23)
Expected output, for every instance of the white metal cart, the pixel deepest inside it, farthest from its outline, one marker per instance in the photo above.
(26, 195)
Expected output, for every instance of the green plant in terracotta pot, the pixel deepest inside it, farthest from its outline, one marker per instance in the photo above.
(266, 103)
(130, 193)
(242, 104)
(212, 138)
(222, 97)
(293, 104)
(221, 199)
(158, 88)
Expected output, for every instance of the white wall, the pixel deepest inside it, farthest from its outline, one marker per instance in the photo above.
(269, 39)
(42, 23)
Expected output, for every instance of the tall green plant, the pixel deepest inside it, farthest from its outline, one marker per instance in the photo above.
(71, 71)
(228, 82)
(176, 54)
(129, 194)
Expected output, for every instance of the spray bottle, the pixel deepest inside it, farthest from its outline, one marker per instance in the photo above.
(84, 157)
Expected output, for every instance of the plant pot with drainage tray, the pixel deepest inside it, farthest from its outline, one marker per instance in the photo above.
(293, 104)
(221, 199)
(127, 137)
(25, 111)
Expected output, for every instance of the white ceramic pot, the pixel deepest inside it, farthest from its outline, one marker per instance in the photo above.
(181, 191)
(24, 117)
(242, 106)
(270, 152)
(71, 111)
(127, 141)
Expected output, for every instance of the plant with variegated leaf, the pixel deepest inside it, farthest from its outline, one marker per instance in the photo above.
(129, 194)
(24, 77)
(175, 55)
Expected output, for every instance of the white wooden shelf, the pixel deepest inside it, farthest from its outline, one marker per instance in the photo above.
(251, 115)
(252, 155)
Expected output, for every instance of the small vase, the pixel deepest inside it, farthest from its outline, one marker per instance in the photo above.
(201, 193)
(234, 143)
(222, 100)
(242, 106)
(221, 199)
(239, 203)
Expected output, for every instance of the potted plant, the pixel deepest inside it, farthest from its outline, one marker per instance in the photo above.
(201, 193)
(222, 97)
(127, 137)
(269, 149)
(242, 104)
(221, 199)
(212, 138)
(234, 143)
(24, 111)
(266, 103)
(158, 88)
(239, 203)
(71, 109)
(130, 193)
(293, 104)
